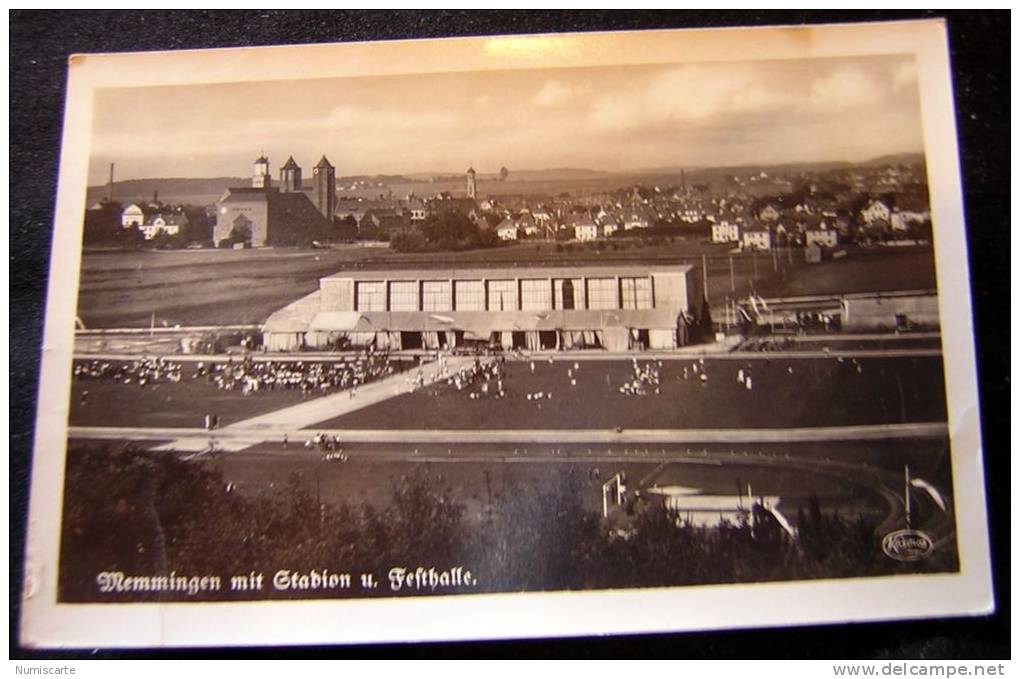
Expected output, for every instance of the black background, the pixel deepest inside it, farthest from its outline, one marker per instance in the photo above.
(979, 41)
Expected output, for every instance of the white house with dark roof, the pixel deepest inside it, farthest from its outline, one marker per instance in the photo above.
(170, 224)
(725, 232)
(133, 215)
(507, 229)
(875, 211)
(819, 235)
(757, 238)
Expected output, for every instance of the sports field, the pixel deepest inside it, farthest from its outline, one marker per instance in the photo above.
(171, 404)
(785, 393)
(184, 404)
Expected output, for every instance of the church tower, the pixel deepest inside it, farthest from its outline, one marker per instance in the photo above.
(261, 178)
(290, 176)
(472, 184)
(325, 188)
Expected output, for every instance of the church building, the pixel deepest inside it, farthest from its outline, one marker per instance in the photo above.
(288, 214)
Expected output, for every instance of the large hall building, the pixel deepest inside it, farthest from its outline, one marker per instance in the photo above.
(616, 308)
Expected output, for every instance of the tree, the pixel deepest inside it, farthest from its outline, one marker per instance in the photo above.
(347, 228)
(451, 231)
(130, 237)
(503, 174)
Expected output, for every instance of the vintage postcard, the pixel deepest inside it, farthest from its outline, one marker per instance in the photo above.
(507, 337)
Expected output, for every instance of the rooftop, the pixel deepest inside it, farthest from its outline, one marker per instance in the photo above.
(476, 273)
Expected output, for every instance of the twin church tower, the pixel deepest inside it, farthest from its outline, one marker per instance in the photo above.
(323, 187)
(288, 214)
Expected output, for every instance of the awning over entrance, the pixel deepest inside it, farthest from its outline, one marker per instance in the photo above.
(340, 321)
(481, 324)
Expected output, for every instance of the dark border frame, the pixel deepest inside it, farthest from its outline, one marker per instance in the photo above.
(40, 43)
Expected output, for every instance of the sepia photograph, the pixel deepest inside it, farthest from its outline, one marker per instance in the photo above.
(672, 323)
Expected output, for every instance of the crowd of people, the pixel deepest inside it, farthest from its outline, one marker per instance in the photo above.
(329, 445)
(644, 380)
(248, 375)
(482, 379)
(141, 372)
(311, 378)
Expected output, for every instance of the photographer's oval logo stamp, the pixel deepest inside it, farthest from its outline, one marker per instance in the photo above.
(907, 545)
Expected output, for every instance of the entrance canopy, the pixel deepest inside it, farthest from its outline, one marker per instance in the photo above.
(481, 324)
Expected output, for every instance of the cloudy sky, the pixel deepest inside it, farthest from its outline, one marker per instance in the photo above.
(616, 118)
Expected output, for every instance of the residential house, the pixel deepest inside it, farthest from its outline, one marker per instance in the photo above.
(585, 228)
(134, 215)
(725, 232)
(171, 224)
(757, 237)
(875, 211)
(636, 219)
(507, 229)
(822, 236)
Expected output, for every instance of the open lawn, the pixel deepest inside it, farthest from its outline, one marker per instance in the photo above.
(893, 342)
(818, 392)
(170, 404)
(184, 404)
(872, 270)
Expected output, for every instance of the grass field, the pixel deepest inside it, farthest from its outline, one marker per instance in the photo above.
(819, 392)
(872, 270)
(849, 344)
(225, 287)
(185, 404)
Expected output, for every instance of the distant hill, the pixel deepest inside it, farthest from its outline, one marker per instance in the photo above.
(205, 191)
(201, 191)
(172, 190)
(742, 169)
(558, 174)
(897, 159)
(552, 174)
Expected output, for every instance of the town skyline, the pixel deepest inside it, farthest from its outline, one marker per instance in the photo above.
(620, 119)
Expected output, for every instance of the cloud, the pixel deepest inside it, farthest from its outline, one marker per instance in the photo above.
(361, 118)
(688, 94)
(555, 94)
(845, 88)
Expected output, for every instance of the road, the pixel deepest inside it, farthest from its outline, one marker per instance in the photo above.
(239, 436)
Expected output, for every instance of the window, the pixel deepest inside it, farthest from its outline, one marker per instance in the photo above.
(569, 293)
(636, 293)
(536, 294)
(469, 295)
(404, 296)
(603, 293)
(371, 296)
(502, 295)
(436, 296)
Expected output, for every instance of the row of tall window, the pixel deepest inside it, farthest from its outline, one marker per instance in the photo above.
(529, 294)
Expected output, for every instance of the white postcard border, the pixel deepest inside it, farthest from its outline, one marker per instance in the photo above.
(46, 623)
